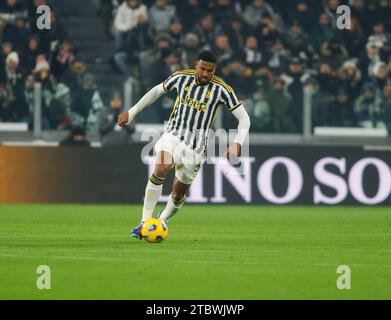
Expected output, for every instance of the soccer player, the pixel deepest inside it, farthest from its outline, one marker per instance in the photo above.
(183, 144)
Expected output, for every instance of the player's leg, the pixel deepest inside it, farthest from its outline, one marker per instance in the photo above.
(175, 200)
(154, 188)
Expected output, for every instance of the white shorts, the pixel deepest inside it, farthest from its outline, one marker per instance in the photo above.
(187, 162)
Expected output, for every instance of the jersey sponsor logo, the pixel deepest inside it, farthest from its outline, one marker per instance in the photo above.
(190, 102)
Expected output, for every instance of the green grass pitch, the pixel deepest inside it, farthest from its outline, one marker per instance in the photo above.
(212, 252)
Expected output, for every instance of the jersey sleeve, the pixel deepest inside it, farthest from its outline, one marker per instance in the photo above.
(230, 99)
(172, 82)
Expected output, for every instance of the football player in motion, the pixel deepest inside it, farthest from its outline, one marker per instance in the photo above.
(183, 144)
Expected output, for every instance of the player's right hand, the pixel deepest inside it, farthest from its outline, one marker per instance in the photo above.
(123, 119)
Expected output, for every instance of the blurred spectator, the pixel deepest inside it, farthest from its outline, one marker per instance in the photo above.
(161, 70)
(74, 75)
(207, 30)
(379, 35)
(176, 33)
(17, 33)
(111, 134)
(6, 112)
(360, 12)
(303, 15)
(326, 96)
(331, 10)
(189, 11)
(190, 51)
(323, 32)
(223, 10)
(222, 49)
(160, 16)
(255, 11)
(62, 58)
(259, 111)
(367, 107)
(295, 39)
(295, 89)
(368, 59)
(380, 74)
(136, 41)
(237, 31)
(333, 52)
(60, 107)
(267, 31)
(129, 14)
(278, 58)
(385, 106)
(353, 38)
(42, 74)
(15, 81)
(6, 49)
(350, 78)
(29, 101)
(252, 55)
(341, 110)
(238, 75)
(149, 57)
(30, 54)
(279, 102)
(382, 13)
(77, 138)
(88, 102)
(52, 37)
(9, 9)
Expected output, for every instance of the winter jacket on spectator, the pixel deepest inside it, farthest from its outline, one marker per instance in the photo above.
(207, 30)
(18, 33)
(385, 107)
(10, 9)
(53, 36)
(367, 107)
(30, 54)
(88, 102)
(254, 12)
(127, 18)
(160, 16)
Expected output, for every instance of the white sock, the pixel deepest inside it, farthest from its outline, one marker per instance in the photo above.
(153, 192)
(172, 208)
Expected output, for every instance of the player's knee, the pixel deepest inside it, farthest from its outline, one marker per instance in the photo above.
(162, 169)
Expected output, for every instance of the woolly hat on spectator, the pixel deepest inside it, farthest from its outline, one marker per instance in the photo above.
(377, 66)
(61, 90)
(42, 64)
(191, 36)
(13, 56)
(88, 77)
(374, 43)
(352, 63)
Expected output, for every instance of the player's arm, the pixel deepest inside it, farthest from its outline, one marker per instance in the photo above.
(148, 99)
(241, 114)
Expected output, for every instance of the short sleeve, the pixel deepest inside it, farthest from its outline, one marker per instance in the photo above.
(229, 98)
(172, 82)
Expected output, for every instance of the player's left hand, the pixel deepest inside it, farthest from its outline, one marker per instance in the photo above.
(233, 150)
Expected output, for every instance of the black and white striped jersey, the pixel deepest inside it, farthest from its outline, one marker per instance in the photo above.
(196, 106)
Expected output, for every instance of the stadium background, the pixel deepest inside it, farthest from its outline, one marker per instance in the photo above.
(72, 184)
(304, 82)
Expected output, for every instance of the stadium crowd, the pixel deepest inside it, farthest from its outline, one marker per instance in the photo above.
(268, 51)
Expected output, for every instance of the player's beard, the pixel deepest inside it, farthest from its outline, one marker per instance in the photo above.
(203, 81)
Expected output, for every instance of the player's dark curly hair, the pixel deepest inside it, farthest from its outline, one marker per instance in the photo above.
(208, 56)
